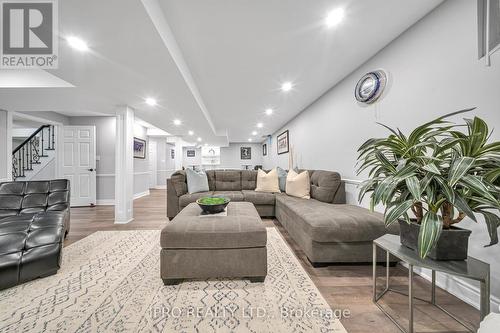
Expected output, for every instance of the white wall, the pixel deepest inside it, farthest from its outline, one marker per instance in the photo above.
(105, 153)
(48, 171)
(141, 166)
(230, 157)
(49, 115)
(165, 164)
(433, 70)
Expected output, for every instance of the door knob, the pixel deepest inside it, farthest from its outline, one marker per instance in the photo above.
(91, 169)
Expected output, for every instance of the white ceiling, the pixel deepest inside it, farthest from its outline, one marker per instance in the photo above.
(216, 65)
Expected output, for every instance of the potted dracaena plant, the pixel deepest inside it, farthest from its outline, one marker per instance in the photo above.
(432, 179)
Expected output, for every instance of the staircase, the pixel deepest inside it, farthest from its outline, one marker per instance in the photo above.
(30, 155)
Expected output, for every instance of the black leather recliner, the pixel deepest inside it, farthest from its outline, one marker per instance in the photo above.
(34, 219)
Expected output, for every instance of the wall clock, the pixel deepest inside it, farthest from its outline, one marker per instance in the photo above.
(370, 86)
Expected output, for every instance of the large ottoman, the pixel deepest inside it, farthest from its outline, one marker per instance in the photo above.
(202, 247)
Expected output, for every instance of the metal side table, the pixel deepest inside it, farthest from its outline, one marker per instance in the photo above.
(471, 268)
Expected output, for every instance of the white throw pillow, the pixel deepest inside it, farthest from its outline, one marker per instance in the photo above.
(197, 181)
(298, 184)
(267, 182)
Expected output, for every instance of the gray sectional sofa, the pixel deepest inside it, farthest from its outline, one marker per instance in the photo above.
(326, 228)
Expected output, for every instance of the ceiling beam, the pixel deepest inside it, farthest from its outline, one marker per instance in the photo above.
(155, 12)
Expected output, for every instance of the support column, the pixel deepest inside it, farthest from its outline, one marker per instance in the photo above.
(5, 146)
(124, 165)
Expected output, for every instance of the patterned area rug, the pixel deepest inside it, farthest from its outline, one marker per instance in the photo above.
(110, 282)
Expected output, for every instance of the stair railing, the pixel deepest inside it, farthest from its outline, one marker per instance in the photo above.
(31, 150)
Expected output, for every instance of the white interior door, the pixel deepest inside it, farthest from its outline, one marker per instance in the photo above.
(153, 167)
(79, 164)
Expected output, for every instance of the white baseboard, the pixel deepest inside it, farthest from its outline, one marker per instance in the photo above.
(105, 202)
(111, 202)
(124, 222)
(160, 187)
(141, 194)
(458, 287)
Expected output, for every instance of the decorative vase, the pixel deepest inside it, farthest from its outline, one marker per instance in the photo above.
(452, 243)
(213, 208)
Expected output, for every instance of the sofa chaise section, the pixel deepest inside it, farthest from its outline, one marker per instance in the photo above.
(331, 232)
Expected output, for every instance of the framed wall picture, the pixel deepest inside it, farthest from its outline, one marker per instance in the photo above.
(246, 153)
(139, 148)
(172, 154)
(282, 143)
(191, 153)
(264, 149)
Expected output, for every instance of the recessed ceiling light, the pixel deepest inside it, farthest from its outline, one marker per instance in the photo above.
(254, 133)
(77, 43)
(150, 101)
(250, 140)
(177, 122)
(334, 17)
(199, 139)
(260, 125)
(287, 86)
(269, 111)
(191, 133)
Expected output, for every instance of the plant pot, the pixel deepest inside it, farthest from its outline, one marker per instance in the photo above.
(452, 244)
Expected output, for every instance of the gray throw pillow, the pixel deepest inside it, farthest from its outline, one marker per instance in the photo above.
(197, 181)
(282, 178)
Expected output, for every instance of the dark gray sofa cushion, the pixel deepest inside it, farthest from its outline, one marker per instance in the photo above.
(11, 201)
(187, 198)
(211, 179)
(178, 181)
(331, 222)
(37, 187)
(259, 198)
(233, 195)
(12, 188)
(228, 180)
(248, 179)
(324, 185)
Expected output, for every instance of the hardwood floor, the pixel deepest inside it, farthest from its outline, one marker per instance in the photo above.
(345, 287)
(149, 213)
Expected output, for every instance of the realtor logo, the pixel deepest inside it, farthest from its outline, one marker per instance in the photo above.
(29, 34)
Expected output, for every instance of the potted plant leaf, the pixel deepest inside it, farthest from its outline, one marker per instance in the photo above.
(431, 179)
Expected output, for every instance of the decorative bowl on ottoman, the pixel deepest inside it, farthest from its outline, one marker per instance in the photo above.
(212, 205)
